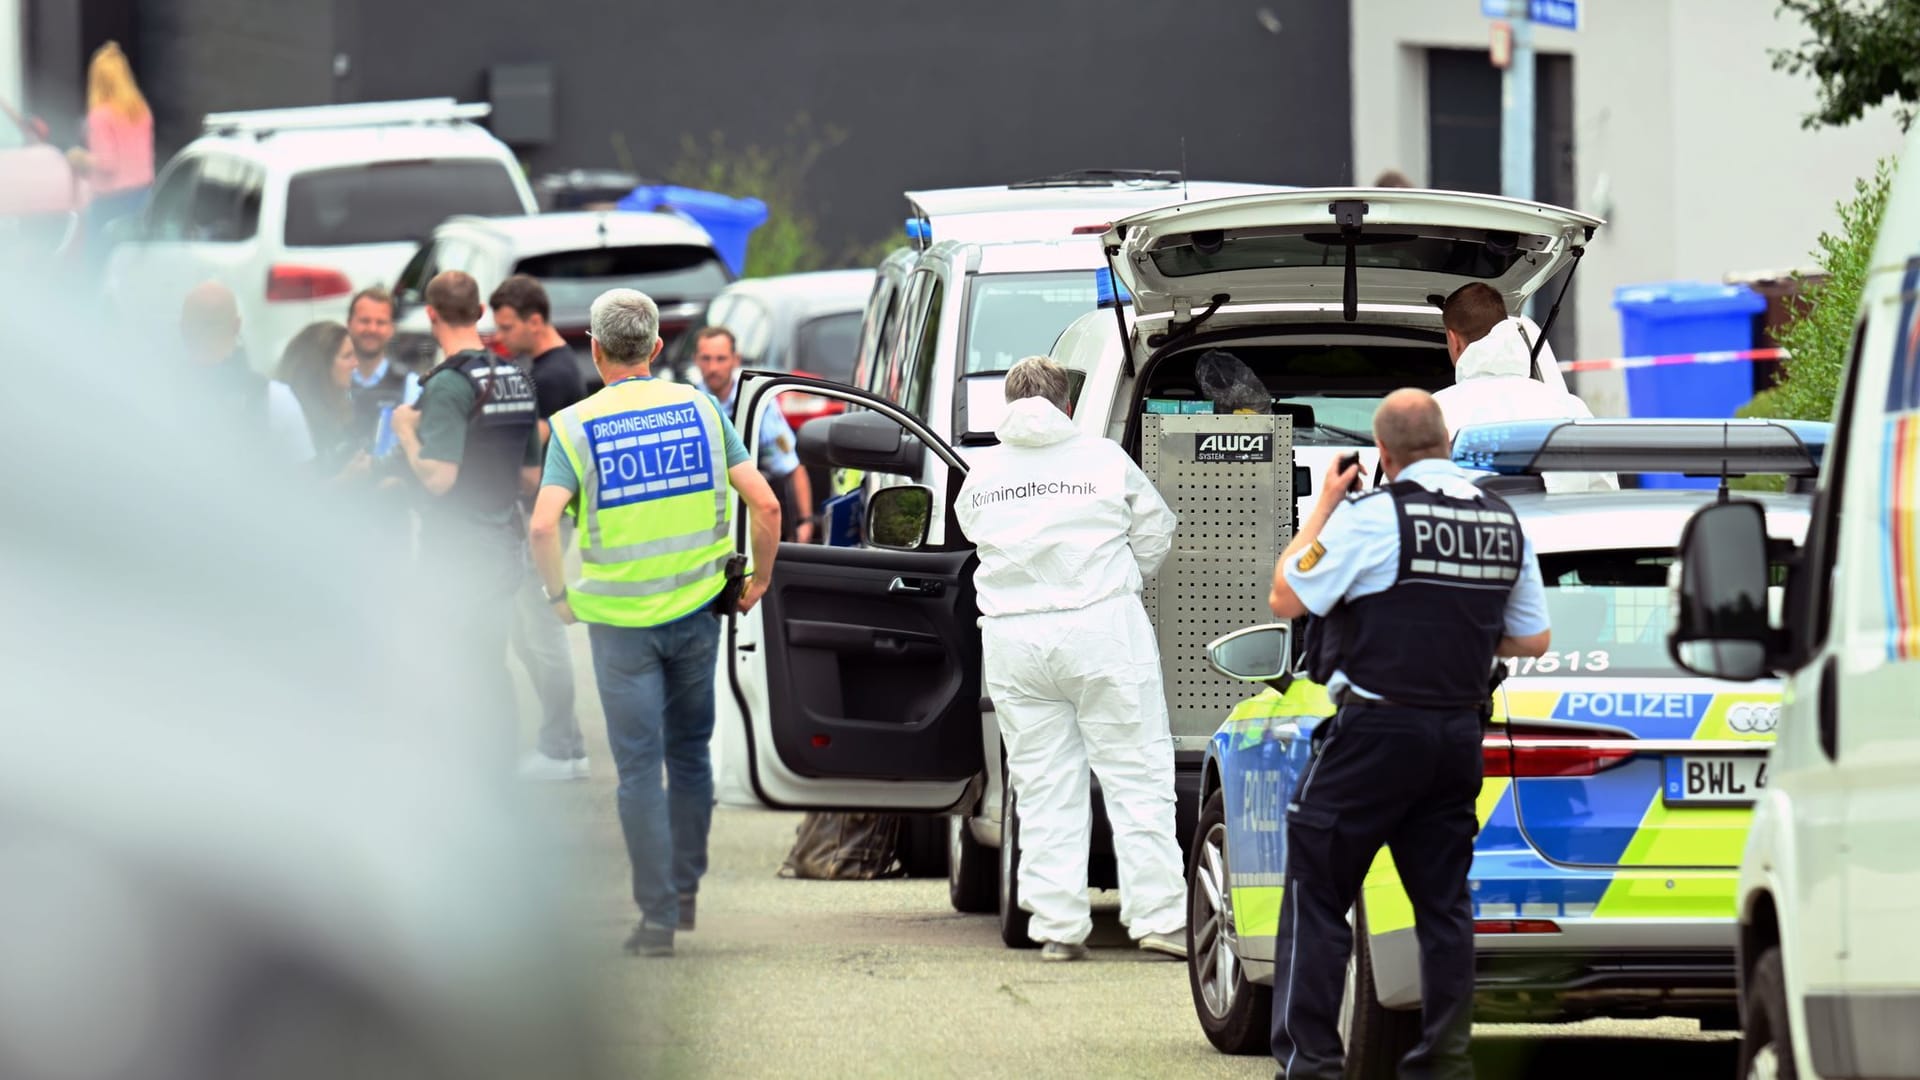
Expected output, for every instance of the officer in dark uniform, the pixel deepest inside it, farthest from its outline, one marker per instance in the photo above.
(472, 443)
(1415, 587)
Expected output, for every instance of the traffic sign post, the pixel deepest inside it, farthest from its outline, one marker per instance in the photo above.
(1516, 109)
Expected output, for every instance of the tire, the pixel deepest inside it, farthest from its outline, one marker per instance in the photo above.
(1236, 1014)
(1766, 1047)
(1376, 1037)
(922, 845)
(1014, 920)
(973, 870)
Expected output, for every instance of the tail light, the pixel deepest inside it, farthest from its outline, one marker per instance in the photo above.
(1523, 751)
(491, 340)
(799, 408)
(305, 283)
(1515, 926)
(1092, 230)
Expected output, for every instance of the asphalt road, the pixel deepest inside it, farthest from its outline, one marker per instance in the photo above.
(789, 978)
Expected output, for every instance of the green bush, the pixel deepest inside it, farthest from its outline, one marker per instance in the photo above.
(1820, 337)
(789, 241)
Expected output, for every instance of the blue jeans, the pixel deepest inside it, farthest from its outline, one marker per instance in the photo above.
(656, 687)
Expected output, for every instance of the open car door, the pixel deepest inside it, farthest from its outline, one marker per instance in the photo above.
(855, 683)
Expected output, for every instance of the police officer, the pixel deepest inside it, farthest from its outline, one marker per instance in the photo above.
(648, 469)
(1416, 588)
(471, 445)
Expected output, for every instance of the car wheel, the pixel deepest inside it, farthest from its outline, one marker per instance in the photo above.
(922, 845)
(1376, 1037)
(1014, 920)
(1766, 1047)
(973, 872)
(1236, 1014)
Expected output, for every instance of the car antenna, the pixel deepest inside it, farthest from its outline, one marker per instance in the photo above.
(1183, 168)
(1726, 438)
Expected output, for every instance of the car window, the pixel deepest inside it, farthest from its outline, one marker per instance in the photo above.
(752, 327)
(920, 378)
(669, 273)
(891, 380)
(1014, 316)
(171, 210)
(882, 304)
(825, 346)
(387, 202)
(411, 285)
(1611, 611)
(225, 203)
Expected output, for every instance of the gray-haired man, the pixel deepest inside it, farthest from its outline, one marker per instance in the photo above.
(648, 470)
(1067, 528)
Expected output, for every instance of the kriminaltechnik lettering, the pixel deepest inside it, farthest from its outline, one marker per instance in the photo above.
(1030, 490)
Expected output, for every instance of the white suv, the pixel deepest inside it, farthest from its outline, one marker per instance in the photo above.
(576, 257)
(295, 209)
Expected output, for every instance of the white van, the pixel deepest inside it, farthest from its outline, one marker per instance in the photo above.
(1829, 890)
(856, 683)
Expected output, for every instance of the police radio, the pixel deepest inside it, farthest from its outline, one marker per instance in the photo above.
(1342, 464)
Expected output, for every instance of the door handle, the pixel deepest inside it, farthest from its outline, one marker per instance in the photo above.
(1830, 709)
(906, 586)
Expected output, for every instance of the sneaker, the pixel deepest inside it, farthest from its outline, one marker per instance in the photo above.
(1174, 945)
(581, 770)
(1062, 951)
(649, 941)
(538, 766)
(686, 912)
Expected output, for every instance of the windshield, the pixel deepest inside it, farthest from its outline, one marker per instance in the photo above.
(1014, 316)
(669, 273)
(1610, 612)
(827, 346)
(394, 201)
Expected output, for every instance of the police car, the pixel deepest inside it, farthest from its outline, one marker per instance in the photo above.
(1617, 792)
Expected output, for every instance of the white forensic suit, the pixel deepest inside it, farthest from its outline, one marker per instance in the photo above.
(1493, 383)
(1067, 527)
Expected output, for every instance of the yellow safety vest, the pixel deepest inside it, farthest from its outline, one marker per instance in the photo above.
(654, 507)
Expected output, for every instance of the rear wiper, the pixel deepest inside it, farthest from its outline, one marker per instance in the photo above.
(1359, 438)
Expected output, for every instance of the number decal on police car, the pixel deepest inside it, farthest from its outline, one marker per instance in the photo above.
(1568, 663)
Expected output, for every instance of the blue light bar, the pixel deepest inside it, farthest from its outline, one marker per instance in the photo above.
(1105, 289)
(1687, 447)
(919, 229)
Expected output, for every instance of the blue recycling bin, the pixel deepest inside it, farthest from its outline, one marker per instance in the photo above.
(728, 220)
(1666, 318)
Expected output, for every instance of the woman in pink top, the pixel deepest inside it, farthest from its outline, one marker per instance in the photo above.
(118, 160)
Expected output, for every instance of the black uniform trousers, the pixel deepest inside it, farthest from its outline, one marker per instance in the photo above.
(1403, 777)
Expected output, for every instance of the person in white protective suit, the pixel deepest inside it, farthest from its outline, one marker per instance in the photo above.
(1493, 376)
(1067, 528)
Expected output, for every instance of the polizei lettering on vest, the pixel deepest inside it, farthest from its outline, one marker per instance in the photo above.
(1468, 542)
(650, 454)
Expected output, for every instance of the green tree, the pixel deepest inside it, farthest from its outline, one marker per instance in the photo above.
(1862, 52)
(1819, 338)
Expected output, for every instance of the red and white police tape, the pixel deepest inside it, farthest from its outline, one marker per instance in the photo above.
(1623, 363)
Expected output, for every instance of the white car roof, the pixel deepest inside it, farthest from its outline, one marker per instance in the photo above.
(824, 292)
(302, 151)
(534, 234)
(1034, 256)
(1639, 517)
(1004, 212)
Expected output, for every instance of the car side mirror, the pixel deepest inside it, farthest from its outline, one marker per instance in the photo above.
(898, 518)
(1253, 654)
(1720, 586)
(867, 441)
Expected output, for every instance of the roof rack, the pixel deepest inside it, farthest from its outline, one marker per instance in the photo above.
(1101, 178)
(1714, 448)
(263, 122)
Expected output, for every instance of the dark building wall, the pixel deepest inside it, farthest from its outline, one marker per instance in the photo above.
(202, 56)
(927, 95)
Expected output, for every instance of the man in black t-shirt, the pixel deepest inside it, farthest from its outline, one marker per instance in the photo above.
(521, 314)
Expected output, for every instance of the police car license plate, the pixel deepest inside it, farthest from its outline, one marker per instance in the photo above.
(1725, 779)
